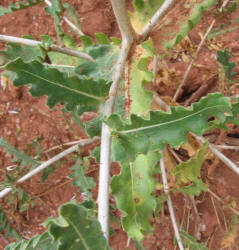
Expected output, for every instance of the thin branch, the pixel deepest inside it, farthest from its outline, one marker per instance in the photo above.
(57, 157)
(170, 204)
(128, 36)
(236, 148)
(153, 21)
(222, 201)
(221, 156)
(53, 47)
(195, 56)
(72, 25)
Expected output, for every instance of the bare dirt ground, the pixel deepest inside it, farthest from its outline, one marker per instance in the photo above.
(33, 119)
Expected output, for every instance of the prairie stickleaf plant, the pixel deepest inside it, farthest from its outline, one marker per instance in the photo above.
(114, 79)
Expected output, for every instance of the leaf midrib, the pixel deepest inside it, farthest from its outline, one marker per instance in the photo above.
(65, 87)
(167, 123)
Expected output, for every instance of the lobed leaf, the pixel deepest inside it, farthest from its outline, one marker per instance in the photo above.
(71, 91)
(76, 230)
(138, 136)
(19, 6)
(43, 241)
(5, 227)
(105, 56)
(85, 183)
(223, 58)
(55, 10)
(133, 189)
(19, 157)
(27, 53)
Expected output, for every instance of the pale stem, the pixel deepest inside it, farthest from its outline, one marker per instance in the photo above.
(57, 157)
(196, 55)
(72, 25)
(34, 43)
(128, 36)
(153, 21)
(170, 204)
(221, 156)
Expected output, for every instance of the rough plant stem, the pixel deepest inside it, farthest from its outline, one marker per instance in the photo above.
(128, 36)
(195, 56)
(53, 47)
(170, 205)
(72, 25)
(49, 162)
(155, 18)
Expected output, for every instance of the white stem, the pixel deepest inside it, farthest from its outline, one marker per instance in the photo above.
(155, 18)
(128, 36)
(34, 43)
(221, 156)
(49, 162)
(236, 148)
(170, 204)
(72, 25)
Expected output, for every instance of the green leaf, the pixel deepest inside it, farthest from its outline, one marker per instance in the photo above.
(190, 243)
(27, 53)
(102, 38)
(192, 21)
(18, 156)
(85, 183)
(77, 230)
(43, 241)
(133, 189)
(57, 85)
(190, 170)
(86, 41)
(140, 136)
(105, 59)
(223, 58)
(235, 112)
(19, 6)
(141, 99)
(195, 188)
(55, 10)
(6, 228)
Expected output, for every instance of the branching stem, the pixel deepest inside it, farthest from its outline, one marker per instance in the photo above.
(53, 47)
(128, 36)
(57, 157)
